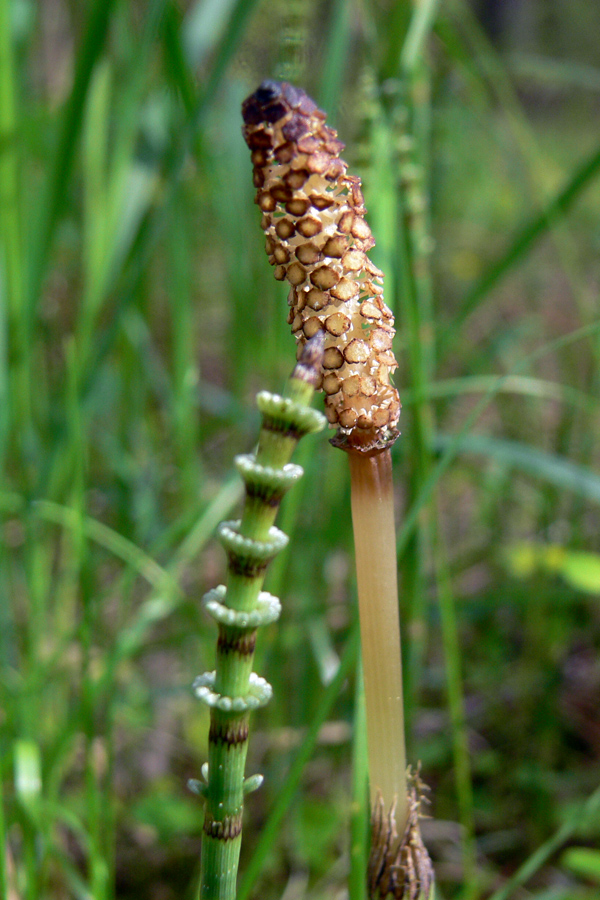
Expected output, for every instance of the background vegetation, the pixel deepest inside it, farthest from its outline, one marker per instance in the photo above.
(138, 317)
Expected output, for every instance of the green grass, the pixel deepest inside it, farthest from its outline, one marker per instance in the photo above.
(138, 318)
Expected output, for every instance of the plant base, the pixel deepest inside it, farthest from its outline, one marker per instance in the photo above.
(399, 865)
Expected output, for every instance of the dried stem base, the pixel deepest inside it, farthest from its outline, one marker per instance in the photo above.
(399, 865)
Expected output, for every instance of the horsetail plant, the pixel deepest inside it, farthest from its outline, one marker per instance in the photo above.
(233, 690)
(313, 215)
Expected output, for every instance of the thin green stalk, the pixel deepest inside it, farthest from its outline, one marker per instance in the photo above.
(294, 20)
(421, 23)
(15, 401)
(359, 816)
(4, 371)
(178, 69)
(397, 25)
(94, 793)
(31, 862)
(96, 196)
(416, 306)
(232, 690)
(290, 787)
(456, 706)
(335, 58)
(3, 845)
(185, 371)
(407, 118)
(414, 560)
(405, 228)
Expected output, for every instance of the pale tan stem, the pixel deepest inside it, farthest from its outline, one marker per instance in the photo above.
(375, 550)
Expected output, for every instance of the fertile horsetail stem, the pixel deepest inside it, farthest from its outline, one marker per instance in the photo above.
(313, 215)
(233, 690)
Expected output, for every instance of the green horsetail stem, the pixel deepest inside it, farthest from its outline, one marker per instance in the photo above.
(233, 690)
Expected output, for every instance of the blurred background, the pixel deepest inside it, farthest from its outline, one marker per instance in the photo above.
(138, 318)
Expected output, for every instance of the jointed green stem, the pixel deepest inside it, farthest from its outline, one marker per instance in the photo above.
(233, 690)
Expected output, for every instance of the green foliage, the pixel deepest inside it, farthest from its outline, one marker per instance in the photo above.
(579, 570)
(583, 861)
(164, 811)
(138, 318)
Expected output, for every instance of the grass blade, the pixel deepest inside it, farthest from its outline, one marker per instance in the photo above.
(419, 29)
(454, 443)
(12, 315)
(292, 782)
(335, 59)
(522, 243)
(587, 811)
(359, 819)
(560, 472)
(60, 167)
